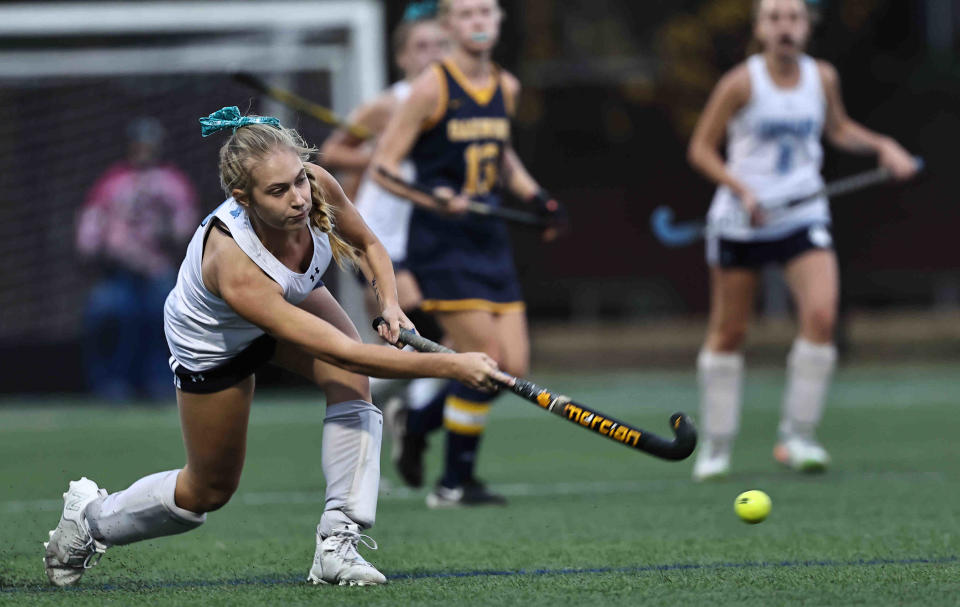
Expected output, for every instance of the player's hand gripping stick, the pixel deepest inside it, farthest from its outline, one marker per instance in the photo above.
(682, 445)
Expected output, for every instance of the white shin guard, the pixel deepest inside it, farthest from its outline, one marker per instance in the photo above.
(142, 511)
(352, 432)
(720, 376)
(809, 368)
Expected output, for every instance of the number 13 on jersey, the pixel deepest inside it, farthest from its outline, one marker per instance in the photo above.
(482, 161)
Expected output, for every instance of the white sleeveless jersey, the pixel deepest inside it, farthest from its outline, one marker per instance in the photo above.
(202, 330)
(773, 147)
(387, 214)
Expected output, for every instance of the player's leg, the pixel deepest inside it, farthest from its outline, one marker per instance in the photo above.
(350, 458)
(465, 410)
(513, 338)
(407, 448)
(720, 367)
(814, 282)
(409, 297)
(166, 503)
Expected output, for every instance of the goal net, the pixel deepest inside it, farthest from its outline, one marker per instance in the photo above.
(72, 76)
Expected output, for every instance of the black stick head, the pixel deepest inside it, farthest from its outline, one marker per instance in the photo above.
(686, 436)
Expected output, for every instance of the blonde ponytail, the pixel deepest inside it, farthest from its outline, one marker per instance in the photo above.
(322, 215)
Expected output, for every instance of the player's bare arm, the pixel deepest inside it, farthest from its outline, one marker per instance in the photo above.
(516, 178)
(373, 261)
(730, 95)
(259, 300)
(846, 134)
(515, 175)
(401, 134)
(343, 150)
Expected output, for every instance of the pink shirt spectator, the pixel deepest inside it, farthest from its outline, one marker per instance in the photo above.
(135, 217)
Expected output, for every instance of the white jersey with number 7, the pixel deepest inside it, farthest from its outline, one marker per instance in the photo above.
(773, 147)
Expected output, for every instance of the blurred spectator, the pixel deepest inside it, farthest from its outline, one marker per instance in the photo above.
(132, 229)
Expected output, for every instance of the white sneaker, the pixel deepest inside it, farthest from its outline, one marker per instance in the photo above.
(712, 462)
(471, 493)
(338, 562)
(71, 549)
(802, 454)
(445, 497)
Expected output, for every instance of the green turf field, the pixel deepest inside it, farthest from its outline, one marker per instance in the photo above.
(590, 522)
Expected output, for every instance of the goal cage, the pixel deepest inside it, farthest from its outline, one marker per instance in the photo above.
(73, 75)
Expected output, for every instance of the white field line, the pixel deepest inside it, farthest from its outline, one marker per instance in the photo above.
(389, 493)
(26, 420)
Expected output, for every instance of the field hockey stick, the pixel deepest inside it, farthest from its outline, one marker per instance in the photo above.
(682, 445)
(473, 206)
(681, 234)
(302, 104)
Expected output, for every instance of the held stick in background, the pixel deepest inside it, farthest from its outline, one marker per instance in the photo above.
(478, 208)
(679, 448)
(327, 116)
(682, 234)
(301, 104)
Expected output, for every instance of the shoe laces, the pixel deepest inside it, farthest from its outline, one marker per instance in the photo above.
(96, 553)
(86, 546)
(347, 543)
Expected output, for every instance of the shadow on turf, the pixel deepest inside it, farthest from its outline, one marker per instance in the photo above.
(396, 577)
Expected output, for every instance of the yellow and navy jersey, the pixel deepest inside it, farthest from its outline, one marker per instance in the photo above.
(462, 143)
(463, 262)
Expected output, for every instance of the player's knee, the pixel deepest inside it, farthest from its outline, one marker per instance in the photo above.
(727, 338)
(820, 322)
(213, 496)
(360, 388)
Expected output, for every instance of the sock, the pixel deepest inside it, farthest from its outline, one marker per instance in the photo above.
(423, 390)
(142, 511)
(426, 418)
(809, 368)
(465, 415)
(720, 376)
(352, 432)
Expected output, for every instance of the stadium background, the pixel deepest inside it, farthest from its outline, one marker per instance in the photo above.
(611, 91)
(612, 88)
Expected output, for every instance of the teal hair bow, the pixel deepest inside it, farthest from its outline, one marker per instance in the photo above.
(420, 10)
(230, 118)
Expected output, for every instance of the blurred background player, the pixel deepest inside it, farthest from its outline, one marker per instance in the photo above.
(131, 230)
(418, 41)
(455, 126)
(249, 292)
(772, 109)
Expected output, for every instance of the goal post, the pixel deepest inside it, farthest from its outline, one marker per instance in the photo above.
(72, 74)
